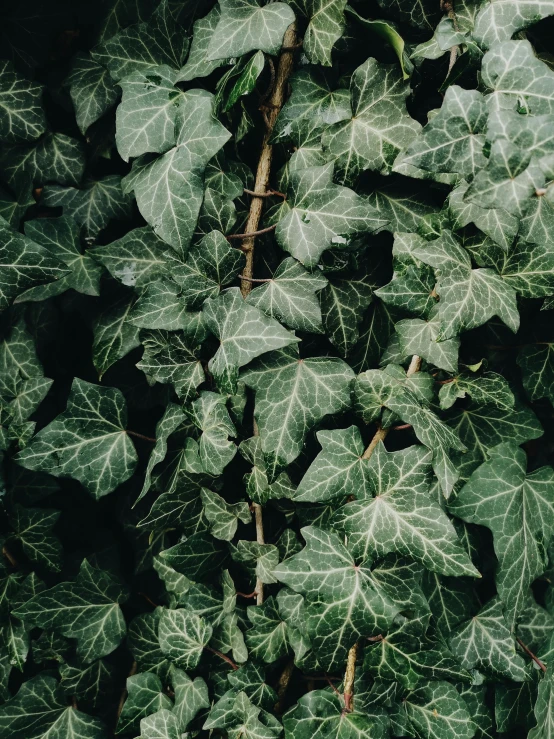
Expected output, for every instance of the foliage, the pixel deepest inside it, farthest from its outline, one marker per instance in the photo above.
(277, 369)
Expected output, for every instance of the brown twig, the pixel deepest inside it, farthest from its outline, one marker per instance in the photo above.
(141, 436)
(253, 279)
(253, 594)
(283, 684)
(223, 656)
(284, 69)
(403, 427)
(530, 653)
(149, 599)
(350, 673)
(9, 556)
(258, 517)
(331, 684)
(132, 671)
(251, 234)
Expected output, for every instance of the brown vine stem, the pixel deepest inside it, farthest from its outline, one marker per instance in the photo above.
(141, 436)
(8, 555)
(270, 111)
(282, 686)
(448, 7)
(530, 653)
(350, 673)
(274, 105)
(223, 656)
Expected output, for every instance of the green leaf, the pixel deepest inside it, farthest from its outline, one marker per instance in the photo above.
(114, 335)
(33, 528)
(498, 21)
(408, 656)
(161, 725)
(209, 413)
(244, 26)
(386, 31)
(143, 46)
(468, 297)
(325, 27)
(437, 711)
(61, 237)
(169, 358)
(183, 637)
(529, 270)
(169, 189)
(144, 696)
(290, 296)
(320, 713)
(86, 609)
(172, 418)
(322, 215)
(422, 15)
(241, 718)
(543, 710)
(395, 512)
(292, 395)
(344, 600)
(380, 126)
(162, 305)
(196, 556)
(247, 80)
(267, 638)
(537, 367)
(24, 265)
(144, 644)
(55, 158)
(223, 516)
(422, 338)
(513, 73)
(39, 709)
(453, 139)
(21, 102)
(87, 442)
(517, 508)
(92, 684)
(92, 90)
(244, 333)
(343, 303)
(485, 643)
(198, 63)
(190, 697)
(488, 388)
(93, 206)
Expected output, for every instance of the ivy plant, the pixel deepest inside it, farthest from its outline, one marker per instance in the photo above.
(277, 369)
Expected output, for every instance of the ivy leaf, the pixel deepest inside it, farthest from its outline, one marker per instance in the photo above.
(322, 215)
(312, 100)
(149, 111)
(196, 556)
(183, 637)
(172, 418)
(86, 609)
(145, 45)
(537, 367)
(33, 528)
(290, 296)
(114, 335)
(267, 638)
(408, 656)
(342, 305)
(39, 709)
(325, 27)
(436, 709)
(345, 601)
(144, 696)
(93, 206)
(92, 90)
(261, 557)
(190, 697)
(543, 710)
(24, 265)
(169, 189)
(144, 644)
(241, 718)
(517, 508)
(223, 516)
(168, 358)
(410, 290)
(199, 63)
(244, 333)
(292, 395)
(246, 81)
(468, 297)
(424, 15)
(512, 72)
(338, 468)
(21, 100)
(529, 268)
(91, 684)
(380, 126)
(161, 725)
(162, 305)
(321, 713)
(401, 516)
(421, 337)
(488, 388)
(498, 21)
(61, 237)
(87, 442)
(55, 158)
(485, 643)
(209, 413)
(246, 26)
(453, 139)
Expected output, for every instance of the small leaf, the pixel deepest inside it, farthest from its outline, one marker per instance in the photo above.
(183, 637)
